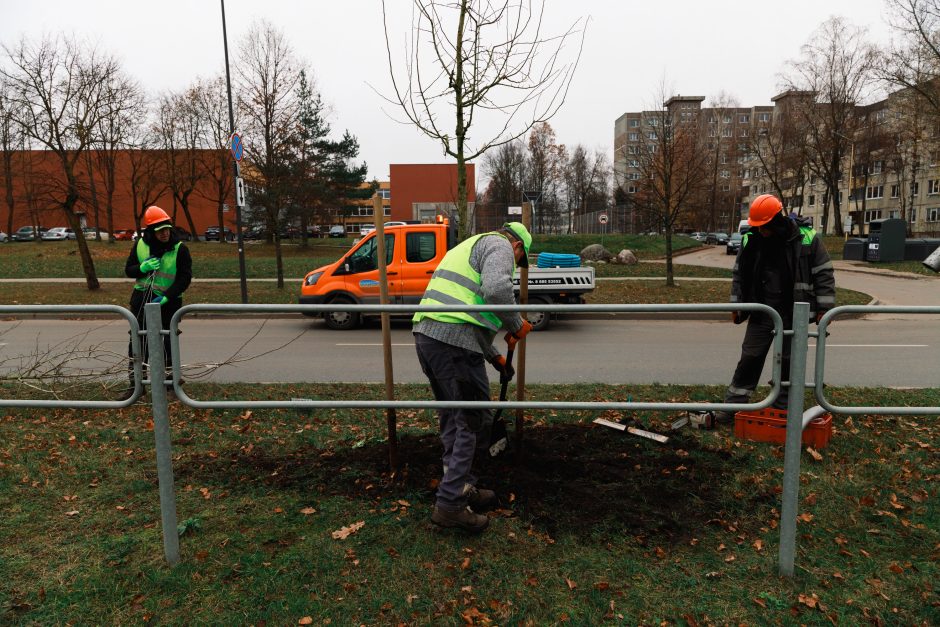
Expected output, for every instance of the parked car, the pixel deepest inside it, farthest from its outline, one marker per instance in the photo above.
(3, 236)
(27, 234)
(183, 234)
(254, 233)
(314, 231)
(56, 233)
(716, 238)
(90, 233)
(365, 229)
(733, 244)
(212, 234)
(699, 236)
(337, 231)
(124, 235)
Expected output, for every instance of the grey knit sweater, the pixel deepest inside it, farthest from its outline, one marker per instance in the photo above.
(492, 256)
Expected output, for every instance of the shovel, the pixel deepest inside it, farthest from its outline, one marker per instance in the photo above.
(499, 437)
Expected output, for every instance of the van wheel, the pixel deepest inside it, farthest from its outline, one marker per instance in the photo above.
(538, 319)
(342, 320)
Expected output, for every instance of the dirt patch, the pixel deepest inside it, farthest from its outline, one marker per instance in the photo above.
(571, 479)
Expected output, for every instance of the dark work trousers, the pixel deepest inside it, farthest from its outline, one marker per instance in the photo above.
(757, 341)
(166, 313)
(457, 374)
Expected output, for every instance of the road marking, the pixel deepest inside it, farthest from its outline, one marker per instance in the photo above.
(375, 344)
(873, 345)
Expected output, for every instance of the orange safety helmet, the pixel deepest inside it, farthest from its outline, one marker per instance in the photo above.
(763, 209)
(155, 215)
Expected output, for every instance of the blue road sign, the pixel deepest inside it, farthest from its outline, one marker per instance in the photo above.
(237, 147)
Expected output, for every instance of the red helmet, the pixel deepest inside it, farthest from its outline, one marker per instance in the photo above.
(155, 215)
(763, 209)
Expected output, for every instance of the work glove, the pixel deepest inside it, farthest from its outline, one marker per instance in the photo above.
(504, 368)
(512, 338)
(149, 265)
(159, 298)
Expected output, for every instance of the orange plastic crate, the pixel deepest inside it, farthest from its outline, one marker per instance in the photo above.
(770, 425)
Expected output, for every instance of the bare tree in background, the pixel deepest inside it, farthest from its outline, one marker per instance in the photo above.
(212, 104)
(505, 169)
(182, 133)
(914, 63)
(673, 165)
(472, 59)
(835, 67)
(545, 175)
(148, 178)
(721, 160)
(587, 182)
(11, 139)
(123, 115)
(268, 75)
(59, 93)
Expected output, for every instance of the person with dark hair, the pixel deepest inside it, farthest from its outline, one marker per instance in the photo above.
(162, 268)
(453, 348)
(781, 261)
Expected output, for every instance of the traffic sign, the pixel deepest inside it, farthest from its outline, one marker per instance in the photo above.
(602, 218)
(240, 192)
(514, 211)
(237, 147)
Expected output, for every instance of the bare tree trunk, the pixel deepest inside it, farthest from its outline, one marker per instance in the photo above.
(670, 280)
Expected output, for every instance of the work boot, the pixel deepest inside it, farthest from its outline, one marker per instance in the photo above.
(479, 500)
(464, 519)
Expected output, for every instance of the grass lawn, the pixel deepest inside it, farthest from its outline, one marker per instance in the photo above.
(593, 526)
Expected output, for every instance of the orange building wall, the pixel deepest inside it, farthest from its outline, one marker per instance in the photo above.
(426, 183)
(45, 184)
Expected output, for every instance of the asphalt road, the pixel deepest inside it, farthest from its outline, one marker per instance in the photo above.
(902, 353)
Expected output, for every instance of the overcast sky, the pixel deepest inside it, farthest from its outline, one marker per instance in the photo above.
(698, 47)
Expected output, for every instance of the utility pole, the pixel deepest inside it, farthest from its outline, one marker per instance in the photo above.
(238, 209)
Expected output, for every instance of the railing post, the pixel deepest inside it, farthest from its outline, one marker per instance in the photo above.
(799, 347)
(161, 433)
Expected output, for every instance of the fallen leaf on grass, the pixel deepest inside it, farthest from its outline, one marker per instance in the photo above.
(810, 499)
(805, 517)
(345, 532)
(810, 601)
(571, 585)
(759, 545)
(601, 585)
(71, 513)
(814, 453)
(306, 620)
(465, 564)
(894, 568)
(760, 602)
(307, 511)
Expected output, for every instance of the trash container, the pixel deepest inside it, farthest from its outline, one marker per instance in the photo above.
(886, 240)
(854, 249)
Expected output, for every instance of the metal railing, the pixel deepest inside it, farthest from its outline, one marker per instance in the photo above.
(798, 418)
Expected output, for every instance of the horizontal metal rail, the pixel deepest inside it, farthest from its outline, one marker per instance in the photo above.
(820, 388)
(235, 309)
(137, 369)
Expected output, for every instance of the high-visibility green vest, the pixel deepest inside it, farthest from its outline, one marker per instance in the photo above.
(455, 282)
(165, 275)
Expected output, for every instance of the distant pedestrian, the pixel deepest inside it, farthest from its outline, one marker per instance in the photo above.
(781, 261)
(452, 347)
(163, 269)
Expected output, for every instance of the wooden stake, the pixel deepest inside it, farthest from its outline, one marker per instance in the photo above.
(391, 418)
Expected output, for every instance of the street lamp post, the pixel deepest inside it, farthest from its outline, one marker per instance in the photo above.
(238, 209)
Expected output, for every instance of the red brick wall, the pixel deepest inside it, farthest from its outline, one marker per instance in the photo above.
(38, 175)
(421, 182)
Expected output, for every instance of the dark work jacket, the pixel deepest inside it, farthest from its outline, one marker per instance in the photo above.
(184, 264)
(809, 272)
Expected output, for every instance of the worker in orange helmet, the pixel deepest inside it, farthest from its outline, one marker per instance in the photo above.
(162, 268)
(781, 261)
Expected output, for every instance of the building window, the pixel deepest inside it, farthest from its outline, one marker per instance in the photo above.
(723, 159)
(712, 132)
(744, 118)
(712, 120)
(633, 176)
(651, 148)
(812, 200)
(912, 215)
(726, 119)
(743, 132)
(651, 135)
(634, 123)
(653, 122)
(763, 117)
(633, 163)
(386, 194)
(726, 132)
(631, 150)
(933, 214)
(933, 186)
(877, 167)
(874, 214)
(875, 191)
(726, 188)
(634, 137)
(895, 191)
(894, 213)
(631, 189)
(725, 174)
(879, 116)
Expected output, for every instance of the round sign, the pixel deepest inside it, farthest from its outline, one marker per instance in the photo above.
(602, 218)
(237, 147)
